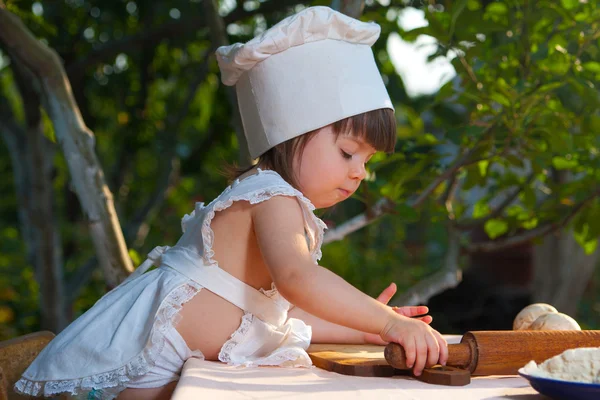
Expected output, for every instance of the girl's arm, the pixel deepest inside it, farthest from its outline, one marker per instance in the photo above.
(328, 332)
(279, 228)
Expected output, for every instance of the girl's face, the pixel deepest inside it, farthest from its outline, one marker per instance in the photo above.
(331, 169)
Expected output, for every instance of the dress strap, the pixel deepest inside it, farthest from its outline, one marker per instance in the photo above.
(225, 285)
(154, 258)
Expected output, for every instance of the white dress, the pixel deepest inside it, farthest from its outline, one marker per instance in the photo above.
(123, 334)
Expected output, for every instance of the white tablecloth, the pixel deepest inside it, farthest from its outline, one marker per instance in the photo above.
(214, 380)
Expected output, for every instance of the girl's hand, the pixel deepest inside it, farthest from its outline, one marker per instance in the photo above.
(424, 346)
(384, 298)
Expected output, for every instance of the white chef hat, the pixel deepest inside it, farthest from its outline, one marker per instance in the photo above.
(308, 71)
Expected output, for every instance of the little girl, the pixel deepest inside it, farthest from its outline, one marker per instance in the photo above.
(242, 285)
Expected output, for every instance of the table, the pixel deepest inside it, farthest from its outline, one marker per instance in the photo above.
(214, 380)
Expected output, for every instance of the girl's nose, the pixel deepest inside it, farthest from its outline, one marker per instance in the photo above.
(358, 172)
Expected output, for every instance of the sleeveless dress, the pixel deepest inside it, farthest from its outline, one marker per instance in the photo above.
(123, 334)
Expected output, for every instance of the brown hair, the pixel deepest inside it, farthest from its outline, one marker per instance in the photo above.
(377, 128)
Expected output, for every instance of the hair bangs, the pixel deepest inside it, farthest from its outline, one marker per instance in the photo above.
(377, 128)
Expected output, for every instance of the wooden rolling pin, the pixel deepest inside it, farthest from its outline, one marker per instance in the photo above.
(503, 352)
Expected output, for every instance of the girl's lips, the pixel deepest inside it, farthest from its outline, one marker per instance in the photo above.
(346, 193)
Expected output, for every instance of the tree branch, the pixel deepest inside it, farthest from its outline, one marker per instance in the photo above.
(133, 227)
(356, 223)
(32, 156)
(384, 204)
(76, 140)
(450, 171)
(363, 219)
(448, 196)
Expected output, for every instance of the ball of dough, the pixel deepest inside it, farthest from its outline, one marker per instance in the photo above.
(530, 314)
(554, 322)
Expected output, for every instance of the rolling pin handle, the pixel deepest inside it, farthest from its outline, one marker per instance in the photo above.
(459, 355)
(395, 356)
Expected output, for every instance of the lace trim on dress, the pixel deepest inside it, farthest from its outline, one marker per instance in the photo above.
(139, 365)
(255, 197)
(287, 358)
(236, 337)
(321, 226)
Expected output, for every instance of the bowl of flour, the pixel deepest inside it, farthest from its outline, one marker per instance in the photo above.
(571, 375)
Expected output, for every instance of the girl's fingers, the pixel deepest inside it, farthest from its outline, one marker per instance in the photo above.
(427, 319)
(411, 311)
(433, 353)
(421, 359)
(443, 345)
(410, 352)
(387, 293)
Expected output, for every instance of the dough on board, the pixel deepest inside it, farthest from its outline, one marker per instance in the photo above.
(530, 313)
(554, 322)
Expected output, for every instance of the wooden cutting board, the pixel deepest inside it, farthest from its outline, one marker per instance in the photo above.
(348, 359)
(358, 359)
(369, 360)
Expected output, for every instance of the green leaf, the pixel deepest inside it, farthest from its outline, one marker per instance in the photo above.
(473, 5)
(591, 66)
(427, 139)
(135, 257)
(483, 167)
(548, 87)
(530, 224)
(481, 208)
(514, 210)
(561, 163)
(495, 227)
(569, 4)
(497, 8)
(457, 9)
(500, 99)
(583, 238)
(405, 173)
(590, 246)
